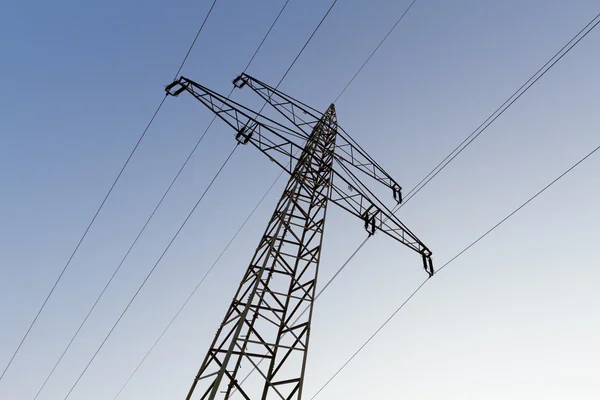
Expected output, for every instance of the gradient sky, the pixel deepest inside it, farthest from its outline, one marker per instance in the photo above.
(514, 317)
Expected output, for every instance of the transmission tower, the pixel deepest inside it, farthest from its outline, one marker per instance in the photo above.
(267, 325)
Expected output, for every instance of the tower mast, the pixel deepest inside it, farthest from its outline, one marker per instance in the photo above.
(265, 324)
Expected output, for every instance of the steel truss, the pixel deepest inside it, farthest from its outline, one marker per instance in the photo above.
(266, 326)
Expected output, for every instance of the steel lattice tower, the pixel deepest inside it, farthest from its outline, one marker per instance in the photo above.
(267, 326)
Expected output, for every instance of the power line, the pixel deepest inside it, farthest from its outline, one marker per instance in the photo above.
(43, 306)
(195, 39)
(487, 123)
(371, 337)
(145, 224)
(152, 270)
(505, 106)
(187, 300)
(336, 274)
(280, 81)
(306, 44)
(266, 35)
(360, 246)
(375, 51)
(162, 198)
(490, 120)
(572, 167)
(252, 212)
(499, 111)
(133, 244)
(520, 207)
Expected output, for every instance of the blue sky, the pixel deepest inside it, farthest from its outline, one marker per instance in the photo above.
(514, 317)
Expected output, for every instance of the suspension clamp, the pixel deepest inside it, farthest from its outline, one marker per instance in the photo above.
(243, 135)
(175, 88)
(428, 263)
(370, 219)
(397, 192)
(240, 81)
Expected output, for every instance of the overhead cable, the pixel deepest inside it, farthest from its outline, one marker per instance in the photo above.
(505, 106)
(152, 215)
(335, 275)
(375, 51)
(251, 213)
(110, 190)
(489, 121)
(307, 42)
(191, 295)
(382, 326)
(547, 66)
(93, 307)
(151, 271)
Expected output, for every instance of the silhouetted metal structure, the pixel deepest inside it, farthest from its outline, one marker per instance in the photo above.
(266, 325)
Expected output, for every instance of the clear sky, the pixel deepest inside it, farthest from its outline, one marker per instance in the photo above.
(514, 317)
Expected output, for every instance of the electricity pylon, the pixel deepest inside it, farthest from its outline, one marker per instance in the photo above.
(267, 325)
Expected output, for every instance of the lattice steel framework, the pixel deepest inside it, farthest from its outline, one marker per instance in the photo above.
(266, 327)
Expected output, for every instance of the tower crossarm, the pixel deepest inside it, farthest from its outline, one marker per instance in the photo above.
(352, 195)
(283, 145)
(280, 143)
(305, 117)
